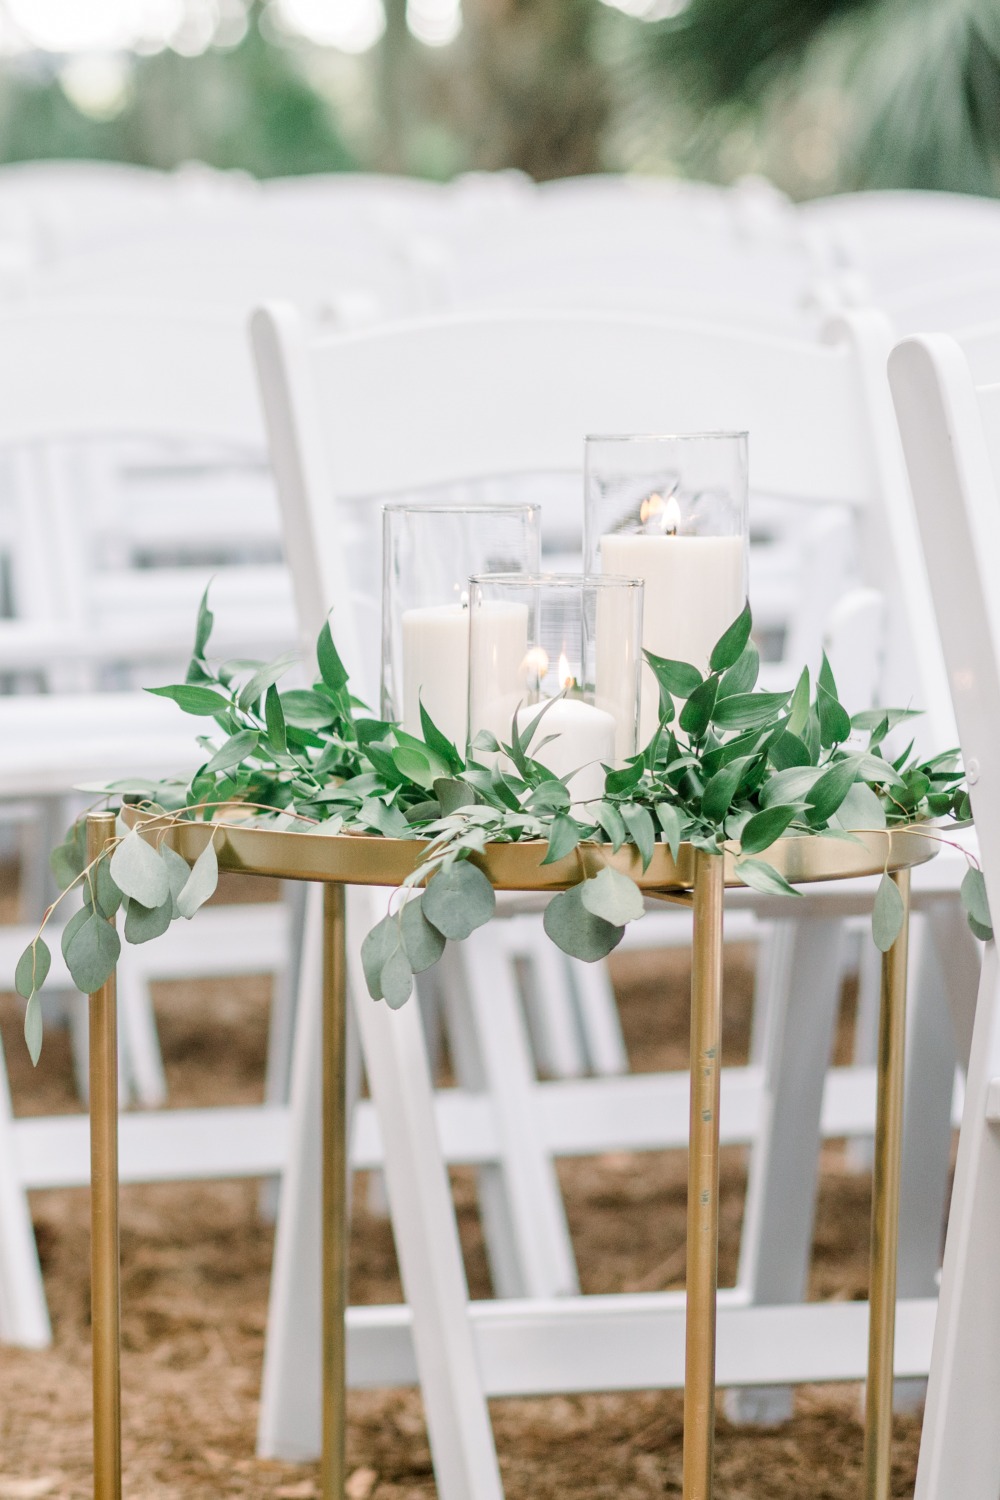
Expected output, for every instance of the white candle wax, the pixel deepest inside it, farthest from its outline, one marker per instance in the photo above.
(584, 738)
(694, 588)
(436, 660)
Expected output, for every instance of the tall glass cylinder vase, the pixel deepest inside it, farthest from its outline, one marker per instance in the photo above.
(671, 510)
(429, 554)
(557, 656)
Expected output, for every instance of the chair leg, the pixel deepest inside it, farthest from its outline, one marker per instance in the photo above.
(960, 1442)
(524, 1218)
(600, 1024)
(24, 1314)
(554, 1028)
(140, 1042)
(784, 1160)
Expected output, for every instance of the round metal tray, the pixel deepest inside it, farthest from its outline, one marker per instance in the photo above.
(359, 859)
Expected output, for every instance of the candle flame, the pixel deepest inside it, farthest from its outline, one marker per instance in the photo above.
(650, 507)
(666, 513)
(565, 675)
(671, 521)
(536, 662)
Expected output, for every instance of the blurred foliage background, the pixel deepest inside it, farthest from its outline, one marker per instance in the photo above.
(820, 95)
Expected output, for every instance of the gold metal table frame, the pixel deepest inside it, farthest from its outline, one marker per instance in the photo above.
(694, 878)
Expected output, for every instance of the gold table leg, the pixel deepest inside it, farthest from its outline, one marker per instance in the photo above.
(703, 1179)
(105, 1300)
(885, 1210)
(335, 1181)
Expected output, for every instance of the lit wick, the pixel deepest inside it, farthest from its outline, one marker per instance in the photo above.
(666, 514)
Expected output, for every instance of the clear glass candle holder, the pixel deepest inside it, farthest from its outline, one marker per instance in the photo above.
(429, 553)
(671, 510)
(558, 655)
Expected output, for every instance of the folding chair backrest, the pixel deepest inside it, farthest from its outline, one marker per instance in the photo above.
(951, 439)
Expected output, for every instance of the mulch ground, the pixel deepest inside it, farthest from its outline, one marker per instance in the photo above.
(196, 1263)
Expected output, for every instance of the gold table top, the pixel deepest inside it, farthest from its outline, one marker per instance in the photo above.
(361, 859)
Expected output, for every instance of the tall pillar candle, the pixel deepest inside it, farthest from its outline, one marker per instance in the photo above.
(694, 589)
(436, 662)
(581, 739)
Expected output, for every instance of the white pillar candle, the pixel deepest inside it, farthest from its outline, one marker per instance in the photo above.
(436, 661)
(694, 589)
(583, 738)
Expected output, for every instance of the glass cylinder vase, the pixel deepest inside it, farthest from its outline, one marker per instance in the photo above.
(429, 553)
(671, 510)
(558, 656)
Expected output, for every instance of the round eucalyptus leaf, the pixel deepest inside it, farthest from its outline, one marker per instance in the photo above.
(33, 1028)
(396, 980)
(887, 914)
(142, 923)
(178, 871)
(376, 950)
(139, 872)
(202, 879)
(422, 943)
(578, 931)
(32, 968)
(91, 952)
(458, 900)
(613, 896)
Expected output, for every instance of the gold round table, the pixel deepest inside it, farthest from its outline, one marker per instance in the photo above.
(695, 878)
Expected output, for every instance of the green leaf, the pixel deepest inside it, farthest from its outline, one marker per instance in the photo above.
(414, 766)
(107, 894)
(764, 877)
(454, 794)
(178, 871)
(331, 668)
(139, 872)
(377, 948)
(397, 979)
(613, 896)
(91, 951)
(624, 780)
(423, 943)
(32, 968)
(834, 720)
(201, 882)
(829, 791)
(564, 835)
(760, 831)
(274, 718)
(696, 715)
(203, 628)
(143, 923)
(459, 899)
(748, 710)
(578, 931)
(69, 858)
(608, 818)
(873, 718)
(550, 796)
(33, 1028)
(386, 820)
(742, 676)
(887, 914)
(442, 745)
(798, 709)
(236, 750)
(678, 679)
(255, 688)
(985, 934)
(825, 680)
(861, 808)
(730, 646)
(304, 709)
(791, 785)
(642, 829)
(720, 790)
(787, 751)
(975, 902)
(670, 822)
(194, 699)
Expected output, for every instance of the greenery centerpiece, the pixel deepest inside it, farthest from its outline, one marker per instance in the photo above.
(730, 769)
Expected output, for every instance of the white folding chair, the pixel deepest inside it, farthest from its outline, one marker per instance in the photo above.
(951, 436)
(437, 403)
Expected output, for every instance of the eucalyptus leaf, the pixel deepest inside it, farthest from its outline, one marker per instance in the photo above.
(32, 968)
(613, 896)
(178, 870)
(861, 808)
(143, 923)
(201, 882)
(107, 895)
(396, 979)
(377, 948)
(139, 872)
(384, 818)
(887, 914)
(985, 934)
(33, 1028)
(423, 943)
(68, 859)
(454, 794)
(975, 901)
(609, 819)
(640, 825)
(550, 796)
(233, 752)
(670, 822)
(91, 951)
(458, 900)
(578, 931)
